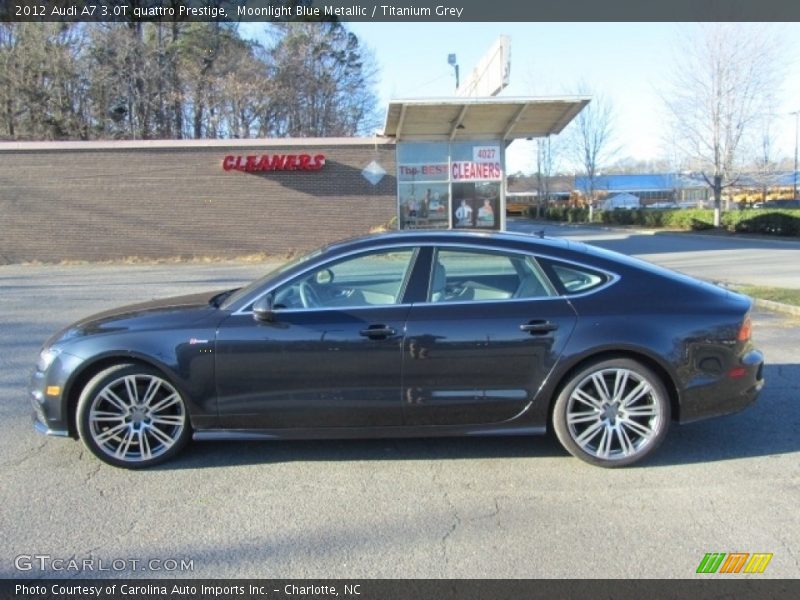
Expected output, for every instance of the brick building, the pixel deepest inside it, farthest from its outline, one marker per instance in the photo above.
(440, 163)
(112, 200)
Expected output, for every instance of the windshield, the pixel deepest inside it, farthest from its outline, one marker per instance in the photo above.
(261, 281)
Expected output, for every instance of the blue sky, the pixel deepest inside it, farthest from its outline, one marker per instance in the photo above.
(626, 62)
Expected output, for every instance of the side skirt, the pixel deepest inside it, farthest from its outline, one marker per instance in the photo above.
(338, 433)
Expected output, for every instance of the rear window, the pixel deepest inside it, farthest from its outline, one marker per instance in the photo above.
(577, 279)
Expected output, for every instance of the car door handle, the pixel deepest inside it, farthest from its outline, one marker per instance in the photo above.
(538, 327)
(377, 331)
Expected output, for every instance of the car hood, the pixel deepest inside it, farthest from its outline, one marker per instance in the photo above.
(165, 313)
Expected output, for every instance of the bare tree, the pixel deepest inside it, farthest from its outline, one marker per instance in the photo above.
(545, 164)
(721, 86)
(766, 172)
(42, 81)
(591, 140)
(120, 65)
(324, 81)
(176, 79)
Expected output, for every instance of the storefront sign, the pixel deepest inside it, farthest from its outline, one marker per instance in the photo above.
(423, 172)
(474, 171)
(486, 154)
(274, 162)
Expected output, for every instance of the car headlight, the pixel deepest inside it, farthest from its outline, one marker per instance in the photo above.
(46, 358)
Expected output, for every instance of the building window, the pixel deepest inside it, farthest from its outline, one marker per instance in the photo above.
(442, 185)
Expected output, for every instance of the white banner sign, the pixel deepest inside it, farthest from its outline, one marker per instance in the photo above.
(486, 154)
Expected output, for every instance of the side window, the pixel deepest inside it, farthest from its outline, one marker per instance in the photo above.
(375, 279)
(577, 279)
(483, 276)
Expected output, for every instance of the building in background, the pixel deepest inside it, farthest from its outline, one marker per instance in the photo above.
(655, 189)
(190, 198)
(440, 163)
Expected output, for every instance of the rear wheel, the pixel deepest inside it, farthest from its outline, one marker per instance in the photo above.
(131, 416)
(612, 413)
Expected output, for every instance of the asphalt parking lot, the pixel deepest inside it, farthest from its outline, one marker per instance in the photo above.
(504, 507)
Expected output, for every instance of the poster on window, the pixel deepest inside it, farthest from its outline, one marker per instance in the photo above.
(464, 201)
(476, 205)
(424, 205)
(487, 215)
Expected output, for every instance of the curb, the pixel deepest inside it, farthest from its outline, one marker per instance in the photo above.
(771, 305)
(777, 307)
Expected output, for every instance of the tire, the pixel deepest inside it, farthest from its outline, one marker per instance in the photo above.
(612, 413)
(131, 416)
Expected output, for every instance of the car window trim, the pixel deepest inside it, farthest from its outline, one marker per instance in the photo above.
(547, 267)
(539, 257)
(492, 300)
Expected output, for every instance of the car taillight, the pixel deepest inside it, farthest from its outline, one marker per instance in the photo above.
(737, 372)
(745, 330)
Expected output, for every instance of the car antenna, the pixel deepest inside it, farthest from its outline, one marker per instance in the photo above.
(540, 233)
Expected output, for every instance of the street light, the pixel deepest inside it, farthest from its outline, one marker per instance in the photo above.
(451, 60)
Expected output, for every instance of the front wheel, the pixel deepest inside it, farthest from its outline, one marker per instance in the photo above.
(131, 416)
(612, 413)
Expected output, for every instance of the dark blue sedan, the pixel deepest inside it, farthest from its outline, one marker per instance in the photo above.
(409, 334)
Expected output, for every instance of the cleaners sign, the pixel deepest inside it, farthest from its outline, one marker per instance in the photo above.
(274, 162)
(485, 164)
(463, 170)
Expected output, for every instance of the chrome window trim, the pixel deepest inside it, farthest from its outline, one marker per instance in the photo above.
(399, 245)
(484, 302)
(339, 309)
(612, 277)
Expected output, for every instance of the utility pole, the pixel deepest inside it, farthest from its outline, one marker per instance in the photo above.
(794, 175)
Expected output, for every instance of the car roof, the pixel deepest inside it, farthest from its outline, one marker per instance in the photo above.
(434, 236)
(568, 250)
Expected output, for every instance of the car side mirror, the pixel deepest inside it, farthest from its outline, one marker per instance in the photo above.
(264, 309)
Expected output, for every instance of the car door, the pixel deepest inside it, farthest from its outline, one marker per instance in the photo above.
(330, 356)
(481, 345)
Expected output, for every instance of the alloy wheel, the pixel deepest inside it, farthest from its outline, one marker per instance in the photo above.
(612, 413)
(137, 418)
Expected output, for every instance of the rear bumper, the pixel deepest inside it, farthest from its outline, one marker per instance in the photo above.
(735, 390)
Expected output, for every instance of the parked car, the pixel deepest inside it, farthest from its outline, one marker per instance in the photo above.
(409, 334)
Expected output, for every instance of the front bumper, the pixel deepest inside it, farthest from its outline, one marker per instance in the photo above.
(43, 407)
(39, 426)
(47, 392)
